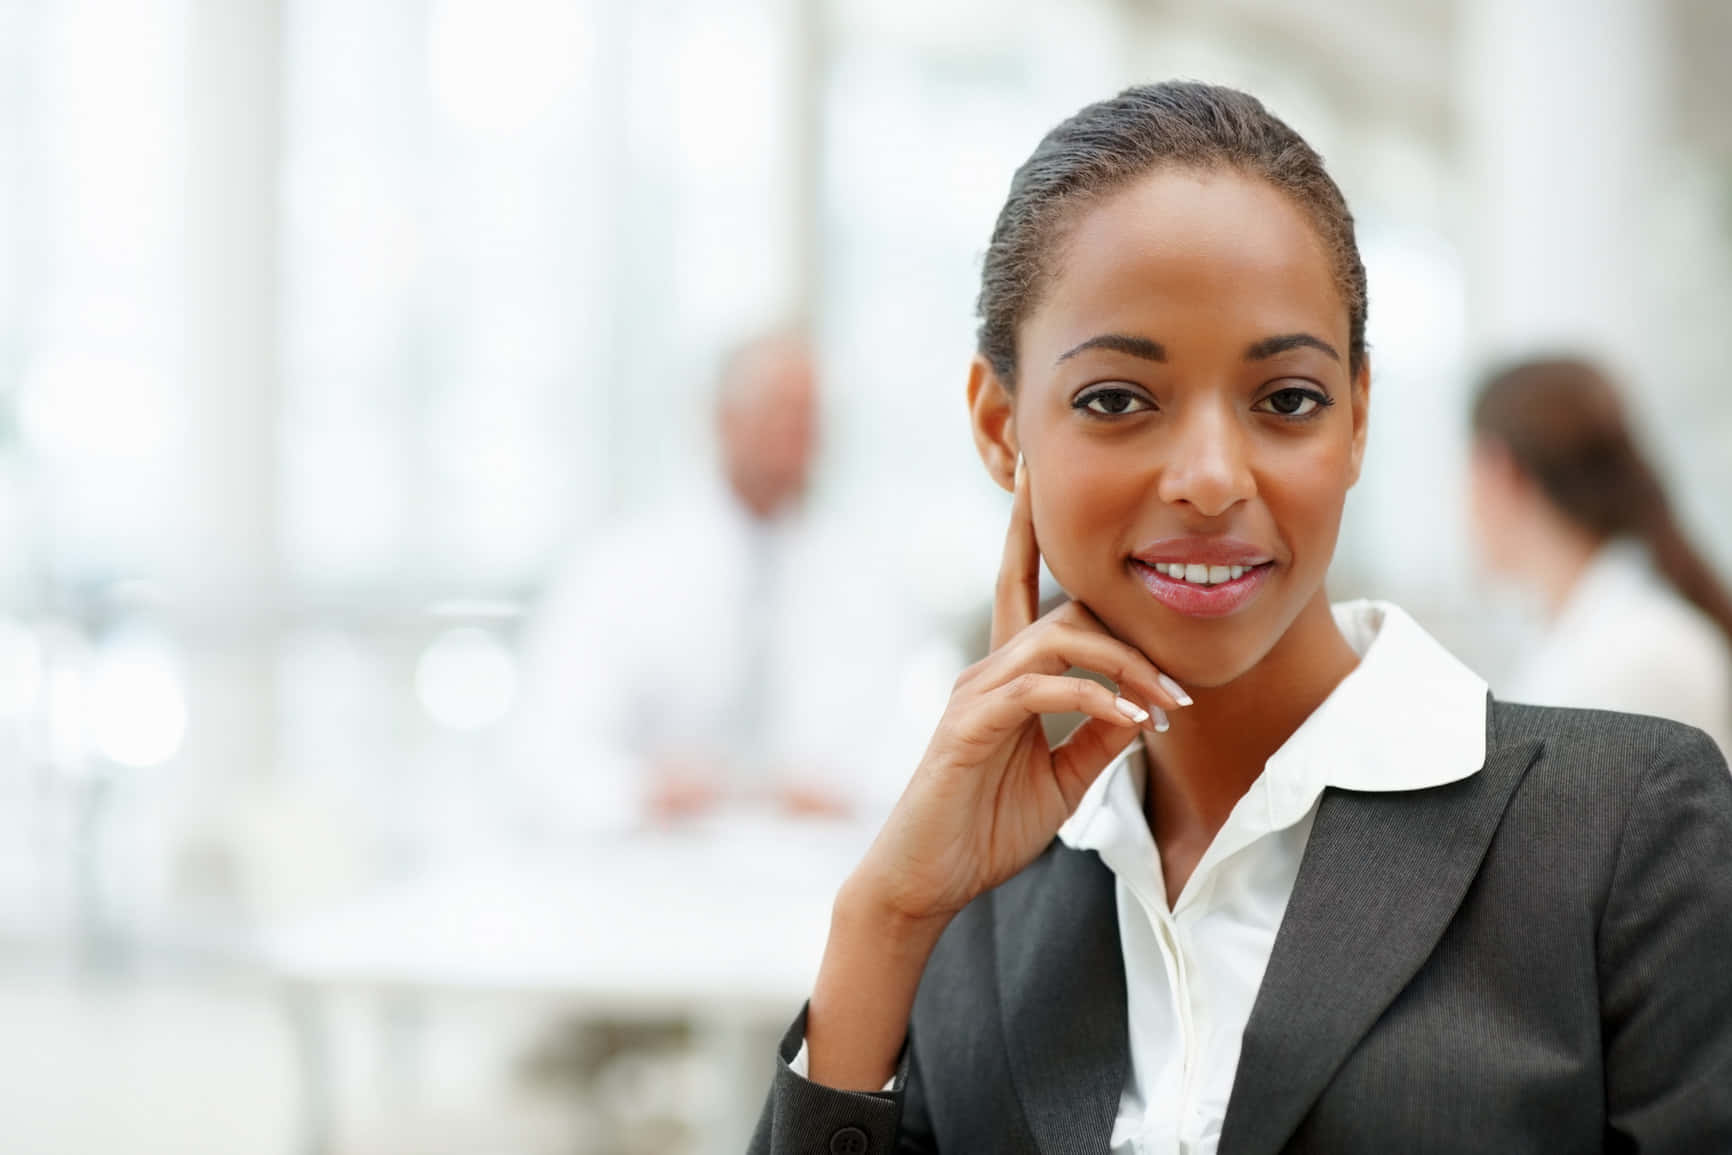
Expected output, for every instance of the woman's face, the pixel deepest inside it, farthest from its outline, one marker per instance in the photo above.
(1183, 399)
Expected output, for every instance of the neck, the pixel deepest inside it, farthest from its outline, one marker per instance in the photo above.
(1217, 747)
(1559, 556)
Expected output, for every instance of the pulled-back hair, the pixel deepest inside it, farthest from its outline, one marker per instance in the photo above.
(1113, 142)
(1562, 423)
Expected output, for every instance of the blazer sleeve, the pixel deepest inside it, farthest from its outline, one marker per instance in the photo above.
(1665, 957)
(801, 1117)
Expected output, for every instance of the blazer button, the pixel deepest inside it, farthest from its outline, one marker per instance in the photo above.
(849, 1141)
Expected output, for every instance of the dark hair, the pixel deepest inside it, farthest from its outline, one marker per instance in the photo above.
(1562, 423)
(1111, 143)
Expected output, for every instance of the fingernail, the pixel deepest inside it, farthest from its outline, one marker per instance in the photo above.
(1176, 690)
(1019, 465)
(1131, 710)
(1161, 722)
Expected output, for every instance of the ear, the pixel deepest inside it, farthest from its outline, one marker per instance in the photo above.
(991, 413)
(1361, 391)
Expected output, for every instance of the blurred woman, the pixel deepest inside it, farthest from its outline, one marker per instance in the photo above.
(1565, 504)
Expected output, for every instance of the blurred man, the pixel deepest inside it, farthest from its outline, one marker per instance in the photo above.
(728, 647)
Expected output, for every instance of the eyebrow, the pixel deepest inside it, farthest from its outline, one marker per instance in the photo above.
(1270, 346)
(1154, 351)
(1120, 343)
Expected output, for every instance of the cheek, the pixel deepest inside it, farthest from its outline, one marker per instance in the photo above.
(1306, 493)
(1483, 498)
(1082, 508)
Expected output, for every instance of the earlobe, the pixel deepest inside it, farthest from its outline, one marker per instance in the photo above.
(992, 418)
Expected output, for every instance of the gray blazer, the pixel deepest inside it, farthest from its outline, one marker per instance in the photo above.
(1537, 958)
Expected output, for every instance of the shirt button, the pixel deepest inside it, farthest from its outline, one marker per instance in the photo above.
(848, 1141)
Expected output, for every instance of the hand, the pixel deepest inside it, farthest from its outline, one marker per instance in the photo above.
(990, 793)
(682, 788)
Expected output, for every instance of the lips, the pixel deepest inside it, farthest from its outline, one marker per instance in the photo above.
(1210, 551)
(1154, 565)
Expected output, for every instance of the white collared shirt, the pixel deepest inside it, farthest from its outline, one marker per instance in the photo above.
(1626, 641)
(1409, 716)
(668, 631)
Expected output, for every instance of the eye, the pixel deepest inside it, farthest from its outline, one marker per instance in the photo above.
(1294, 402)
(1111, 402)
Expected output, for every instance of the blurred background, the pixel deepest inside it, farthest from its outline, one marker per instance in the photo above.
(338, 338)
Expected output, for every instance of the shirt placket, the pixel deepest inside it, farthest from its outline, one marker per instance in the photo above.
(1168, 1115)
(1177, 1129)
(1195, 991)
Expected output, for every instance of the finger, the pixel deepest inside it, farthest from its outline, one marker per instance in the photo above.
(1170, 693)
(1016, 597)
(1057, 645)
(1090, 749)
(1004, 709)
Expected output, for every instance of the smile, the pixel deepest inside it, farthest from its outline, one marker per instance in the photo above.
(1201, 591)
(1199, 574)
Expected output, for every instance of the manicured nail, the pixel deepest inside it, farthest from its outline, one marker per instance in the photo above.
(1161, 722)
(1176, 690)
(1131, 710)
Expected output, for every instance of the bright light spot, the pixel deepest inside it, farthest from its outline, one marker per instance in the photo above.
(77, 405)
(137, 706)
(466, 679)
(500, 65)
(20, 670)
(1420, 321)
(725, 101)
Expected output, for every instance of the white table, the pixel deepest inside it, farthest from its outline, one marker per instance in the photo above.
(722, 924)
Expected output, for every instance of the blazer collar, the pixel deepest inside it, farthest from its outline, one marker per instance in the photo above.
(1382, 876)
(1061, 981)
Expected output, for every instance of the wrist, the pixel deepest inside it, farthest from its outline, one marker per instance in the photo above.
(866, 908)
(858, 1017)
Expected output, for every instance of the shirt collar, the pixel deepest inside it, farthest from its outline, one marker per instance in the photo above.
(1410, 716)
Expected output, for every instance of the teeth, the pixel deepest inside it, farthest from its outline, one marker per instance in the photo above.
(1203, 575)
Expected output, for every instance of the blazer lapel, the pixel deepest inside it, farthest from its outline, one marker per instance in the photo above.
(1382, 876)
(1061, 981)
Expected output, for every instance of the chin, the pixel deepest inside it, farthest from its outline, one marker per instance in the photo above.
(1207, 667)
(1198, 653)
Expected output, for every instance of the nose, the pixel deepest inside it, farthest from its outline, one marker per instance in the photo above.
(1207, 465)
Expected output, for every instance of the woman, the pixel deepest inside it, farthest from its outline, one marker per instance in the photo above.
(1310, 890)
(1565, 504)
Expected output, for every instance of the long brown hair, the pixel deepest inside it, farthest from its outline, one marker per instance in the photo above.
(1563, 424)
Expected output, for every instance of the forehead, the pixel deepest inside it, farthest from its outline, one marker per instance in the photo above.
(1187, 257)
